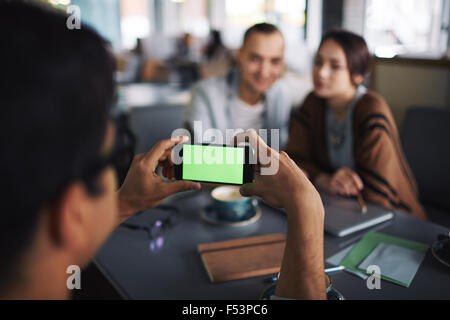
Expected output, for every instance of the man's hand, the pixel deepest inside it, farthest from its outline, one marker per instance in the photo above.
(302, 269)
(284, 188)
(143, 188)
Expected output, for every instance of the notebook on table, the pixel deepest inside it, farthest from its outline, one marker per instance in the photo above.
(343, 216)
(242, 258)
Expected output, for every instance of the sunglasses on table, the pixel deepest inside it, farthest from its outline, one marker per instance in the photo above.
(157, 229)
(441, 249)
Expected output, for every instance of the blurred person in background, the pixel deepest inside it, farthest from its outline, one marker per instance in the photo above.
(183, 65)
(133, 62)
(344, 136)
(217, 59)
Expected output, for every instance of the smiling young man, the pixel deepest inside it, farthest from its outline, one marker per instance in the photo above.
(59, 198)
(251, 96)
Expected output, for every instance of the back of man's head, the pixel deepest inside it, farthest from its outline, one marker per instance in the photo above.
(56, 90)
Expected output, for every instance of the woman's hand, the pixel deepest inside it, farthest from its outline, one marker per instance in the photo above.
(344, 181)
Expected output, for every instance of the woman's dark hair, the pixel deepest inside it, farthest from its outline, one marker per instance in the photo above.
(57, 89)
(355, 49)
(215, 43)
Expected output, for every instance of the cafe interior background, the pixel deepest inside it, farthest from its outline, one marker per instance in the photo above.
(159, 47)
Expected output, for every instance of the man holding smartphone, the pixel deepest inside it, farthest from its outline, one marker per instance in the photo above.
(59, 198)
(251, 96)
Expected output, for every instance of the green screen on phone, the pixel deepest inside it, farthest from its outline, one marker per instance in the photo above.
(213, 163)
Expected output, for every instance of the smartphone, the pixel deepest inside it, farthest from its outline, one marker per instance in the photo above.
(215, 164)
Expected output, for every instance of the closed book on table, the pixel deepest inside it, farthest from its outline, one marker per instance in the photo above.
(243, 258)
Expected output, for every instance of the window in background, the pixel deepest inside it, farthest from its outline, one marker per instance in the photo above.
(171, 20)
(182, 16)
(407, 27)
(58, 4)
(288, 15)
(103, 16)
(291, 18)
(135, 21)
(194, 17)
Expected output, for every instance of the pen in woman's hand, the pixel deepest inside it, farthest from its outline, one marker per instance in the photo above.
(362, 204)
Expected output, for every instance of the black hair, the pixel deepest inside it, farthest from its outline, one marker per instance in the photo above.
(264, 27)
(215, 43)
(355, 48)
(57, 87)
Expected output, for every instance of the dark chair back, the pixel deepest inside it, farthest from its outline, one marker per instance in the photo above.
(426, 142)
(154, 123)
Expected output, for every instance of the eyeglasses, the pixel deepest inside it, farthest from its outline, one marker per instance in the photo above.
(157, 229)
(441, 249)
(121, 156)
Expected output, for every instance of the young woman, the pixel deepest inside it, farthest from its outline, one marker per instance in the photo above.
(344, 136)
